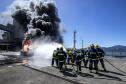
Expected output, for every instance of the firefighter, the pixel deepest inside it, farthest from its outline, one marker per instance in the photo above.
(55, 58)
(101, 54)
(87, 57)
(62, 58)
(78, 60)
(83, 53)
(73, 56)
(69, 53)
(93, 59)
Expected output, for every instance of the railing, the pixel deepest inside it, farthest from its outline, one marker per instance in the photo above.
(116, 54)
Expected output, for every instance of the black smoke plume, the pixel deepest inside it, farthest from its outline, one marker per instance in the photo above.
(22, 17)
(42, 16)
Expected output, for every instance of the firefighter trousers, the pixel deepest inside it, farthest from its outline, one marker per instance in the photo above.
(102, 63)
(95, 63)
(61, 63)
(78, 65)
(56, 61)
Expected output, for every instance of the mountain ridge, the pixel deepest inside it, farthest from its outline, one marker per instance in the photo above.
(117, 48)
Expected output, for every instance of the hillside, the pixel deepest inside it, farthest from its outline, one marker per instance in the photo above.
(116, 48)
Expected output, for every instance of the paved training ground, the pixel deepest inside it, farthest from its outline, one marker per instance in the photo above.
(18, 74)
(113, 76)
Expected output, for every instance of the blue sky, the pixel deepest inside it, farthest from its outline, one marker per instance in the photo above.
(96, 21)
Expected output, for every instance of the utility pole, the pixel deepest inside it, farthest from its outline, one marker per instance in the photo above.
(82, 44)
(74, 39)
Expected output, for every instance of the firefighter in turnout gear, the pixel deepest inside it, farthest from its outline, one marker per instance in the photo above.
(93, 59)
(87, 57)
(55, 58)
(62, 58)
(73, 56)
(83, 53)
(78, 60)
(101, 54)
(69, 53)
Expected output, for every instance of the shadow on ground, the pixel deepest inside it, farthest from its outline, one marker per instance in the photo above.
(109, 76)
(85, 75)
(70, 73)
(113, 72)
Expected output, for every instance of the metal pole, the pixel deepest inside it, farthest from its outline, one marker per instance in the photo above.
(75, 39)
(82, 44)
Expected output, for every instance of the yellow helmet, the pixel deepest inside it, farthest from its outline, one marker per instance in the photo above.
(97, 46)
(67, 48)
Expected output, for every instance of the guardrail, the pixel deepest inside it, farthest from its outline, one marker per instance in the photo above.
(118, 54)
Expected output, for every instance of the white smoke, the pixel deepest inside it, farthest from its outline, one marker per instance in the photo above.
(42, 53)
(5, 16)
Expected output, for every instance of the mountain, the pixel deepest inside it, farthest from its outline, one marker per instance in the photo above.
(116, 48)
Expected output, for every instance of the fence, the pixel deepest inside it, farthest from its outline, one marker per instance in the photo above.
(116, 54)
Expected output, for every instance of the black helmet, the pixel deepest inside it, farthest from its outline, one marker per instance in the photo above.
(61, 48)
(92, 46)
(57, 48)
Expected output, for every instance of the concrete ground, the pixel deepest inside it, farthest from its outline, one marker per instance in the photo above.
(112, 76)
(17, 74)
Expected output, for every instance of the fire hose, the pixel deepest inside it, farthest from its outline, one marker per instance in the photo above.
(115, 66)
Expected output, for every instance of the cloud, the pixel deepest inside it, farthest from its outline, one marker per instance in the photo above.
(5, 16)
